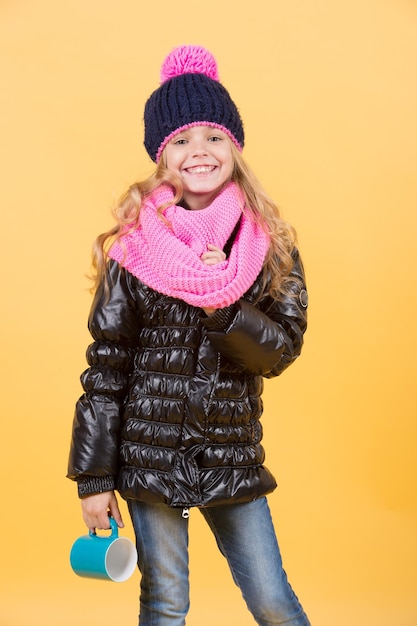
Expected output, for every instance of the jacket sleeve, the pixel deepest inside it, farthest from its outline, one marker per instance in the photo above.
(113, 324)
(265, 338)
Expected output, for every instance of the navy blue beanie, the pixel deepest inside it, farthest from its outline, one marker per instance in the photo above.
(190, 95)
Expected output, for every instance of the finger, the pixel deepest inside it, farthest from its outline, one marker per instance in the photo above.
(210, 261)
(212, 258)
(212, 247)
(89, 521)
(115, 512)
(103, 522)
(216, 252)
(96, 520)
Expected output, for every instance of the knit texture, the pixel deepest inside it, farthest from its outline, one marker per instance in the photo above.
(167, 259)
(190, 95)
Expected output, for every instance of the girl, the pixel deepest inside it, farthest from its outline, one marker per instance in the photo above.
(199, 294)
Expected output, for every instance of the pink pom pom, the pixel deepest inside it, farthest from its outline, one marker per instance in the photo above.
(189, 60)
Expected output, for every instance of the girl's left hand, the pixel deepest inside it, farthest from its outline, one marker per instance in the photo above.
(213, 256)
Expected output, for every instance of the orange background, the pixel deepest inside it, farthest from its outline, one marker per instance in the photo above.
(328, 94)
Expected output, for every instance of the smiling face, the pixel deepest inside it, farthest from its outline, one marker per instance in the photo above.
(202, 157)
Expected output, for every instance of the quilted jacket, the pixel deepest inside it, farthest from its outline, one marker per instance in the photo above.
(172, 398)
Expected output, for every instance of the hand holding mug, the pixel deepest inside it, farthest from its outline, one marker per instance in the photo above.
(104, 557)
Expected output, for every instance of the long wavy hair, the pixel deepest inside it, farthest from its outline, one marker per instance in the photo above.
(278, 263)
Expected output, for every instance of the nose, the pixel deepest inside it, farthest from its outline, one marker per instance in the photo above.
(198, 148)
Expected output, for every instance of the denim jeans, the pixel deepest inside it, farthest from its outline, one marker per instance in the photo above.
(245, 536)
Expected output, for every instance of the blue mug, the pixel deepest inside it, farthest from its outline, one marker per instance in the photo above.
(107, 558)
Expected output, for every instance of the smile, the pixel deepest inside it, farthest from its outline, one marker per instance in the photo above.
(200, 169)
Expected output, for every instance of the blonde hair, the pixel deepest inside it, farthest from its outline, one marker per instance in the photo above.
(279, 262)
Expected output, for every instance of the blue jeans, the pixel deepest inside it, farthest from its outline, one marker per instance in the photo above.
(245, 536)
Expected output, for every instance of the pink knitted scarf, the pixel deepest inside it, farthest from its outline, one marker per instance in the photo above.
(168, 259)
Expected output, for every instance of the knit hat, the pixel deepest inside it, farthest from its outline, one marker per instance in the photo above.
(190, 94)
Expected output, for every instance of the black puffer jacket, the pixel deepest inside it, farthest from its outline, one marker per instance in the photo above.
(172, 398)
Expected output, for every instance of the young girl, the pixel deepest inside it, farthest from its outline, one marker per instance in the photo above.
(200, 294)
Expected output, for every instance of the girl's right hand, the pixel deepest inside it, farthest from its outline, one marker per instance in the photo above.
(97, 508)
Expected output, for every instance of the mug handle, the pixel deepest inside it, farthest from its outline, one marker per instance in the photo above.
(113, 526)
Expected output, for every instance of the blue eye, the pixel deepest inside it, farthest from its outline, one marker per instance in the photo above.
(180, 142)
